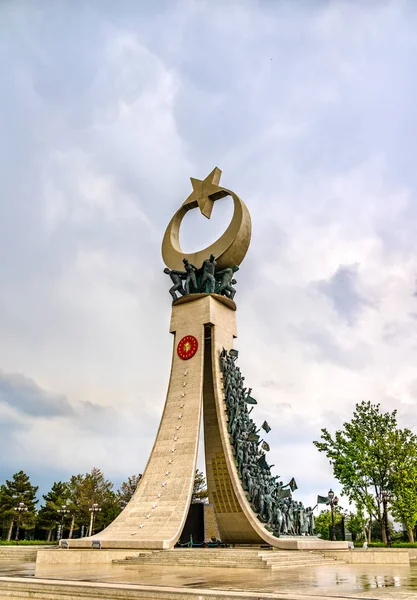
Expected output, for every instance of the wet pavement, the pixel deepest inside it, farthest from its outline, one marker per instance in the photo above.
(339, 579)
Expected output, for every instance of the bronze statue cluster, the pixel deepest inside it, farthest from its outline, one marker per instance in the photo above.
(204, 280)
(269, 498)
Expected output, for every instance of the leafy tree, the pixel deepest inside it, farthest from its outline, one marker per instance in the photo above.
(403, 495)
(355, 523)
(18, 490)
(48, 515)
(323, 522)
(127, 489)
(89, 490)
(378, 533)
(74, 487)
(366, 454)
(200, 493)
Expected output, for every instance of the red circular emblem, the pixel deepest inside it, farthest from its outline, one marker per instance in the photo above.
(187, 347)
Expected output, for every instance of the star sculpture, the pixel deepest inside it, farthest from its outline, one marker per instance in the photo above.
(140, 526)
(175, 438)
(148, 516)
(164, 484)
(170, 461)
(158, 495)
(205, 192)
(181, 405)
(185, 373)
(178, 427)
(183, 394)
(154, 505)
(167, 472)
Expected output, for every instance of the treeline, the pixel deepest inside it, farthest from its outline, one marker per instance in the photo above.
(375, 461)
(81, 506)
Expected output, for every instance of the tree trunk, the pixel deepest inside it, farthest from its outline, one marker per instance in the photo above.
(383, 530)
(9, 535)
(90, 529)
(370, 530)
(49, 535)
(72, 527)
(410, 534)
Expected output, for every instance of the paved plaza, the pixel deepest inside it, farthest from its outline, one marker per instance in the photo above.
(331, 581)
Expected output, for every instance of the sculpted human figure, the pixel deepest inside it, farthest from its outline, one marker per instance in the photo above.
(226, 280)
(301, 519)
(290, 519)
(190, 270)
(230, 399)
(311, 522)
(284, 527)
(223, 361)
(249, 482)
(261, 504)
(176, 278)
(208, 268)
(239, 454)
(268, 507)
(278, 518)
(244, 473)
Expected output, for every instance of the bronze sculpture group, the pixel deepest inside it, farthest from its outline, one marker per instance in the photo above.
(204, 280)
(269, 498)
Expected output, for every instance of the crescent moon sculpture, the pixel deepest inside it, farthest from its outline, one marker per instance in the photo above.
(230, 248)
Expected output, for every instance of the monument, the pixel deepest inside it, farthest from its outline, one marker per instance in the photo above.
(252, 506)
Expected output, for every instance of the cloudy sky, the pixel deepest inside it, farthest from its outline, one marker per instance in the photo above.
(107, 109)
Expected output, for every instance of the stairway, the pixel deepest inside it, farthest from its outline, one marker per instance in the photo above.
(228, 558)
(21, 553)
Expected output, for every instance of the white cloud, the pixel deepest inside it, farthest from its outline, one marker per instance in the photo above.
(308, 108)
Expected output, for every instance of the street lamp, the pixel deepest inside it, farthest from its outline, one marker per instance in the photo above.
(333, 501)
(94, 509)
(62, 511)
(20, 508)
(384, 498)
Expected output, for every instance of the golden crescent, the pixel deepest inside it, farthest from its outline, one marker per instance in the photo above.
(230, 249)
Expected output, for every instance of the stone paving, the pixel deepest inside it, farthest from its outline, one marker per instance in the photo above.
(333, 581)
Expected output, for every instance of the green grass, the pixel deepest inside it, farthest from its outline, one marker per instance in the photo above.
(27, 543)
(381, 545)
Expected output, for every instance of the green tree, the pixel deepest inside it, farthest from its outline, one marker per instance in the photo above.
(18, 491)
(403, 495)
(74, 487)
(49, 515)
(356, 525)
(127, 489)
(200, 493)
(365, 456)
(323, 522)
(91, 491)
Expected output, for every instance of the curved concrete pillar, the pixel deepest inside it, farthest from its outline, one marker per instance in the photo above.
(155, 516)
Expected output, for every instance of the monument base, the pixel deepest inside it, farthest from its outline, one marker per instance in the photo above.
(308, 543)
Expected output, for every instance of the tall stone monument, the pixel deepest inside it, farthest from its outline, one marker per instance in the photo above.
(251, 506)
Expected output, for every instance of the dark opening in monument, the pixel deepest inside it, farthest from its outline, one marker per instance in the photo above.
(194, 525)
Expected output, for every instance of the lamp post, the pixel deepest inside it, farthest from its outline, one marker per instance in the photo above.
(94, 509)
(333, 501)
(384, 498)
(20, 508)
(62, 511)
